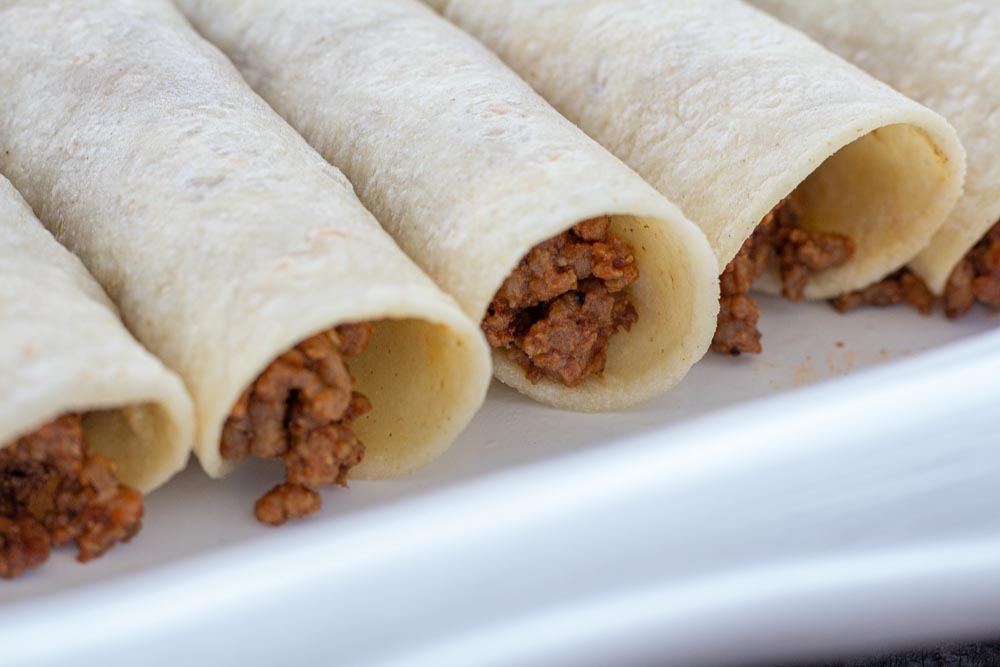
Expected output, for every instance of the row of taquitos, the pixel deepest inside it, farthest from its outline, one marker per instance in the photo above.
(240, 258)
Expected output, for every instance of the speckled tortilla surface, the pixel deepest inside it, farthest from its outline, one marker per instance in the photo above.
(221, 235)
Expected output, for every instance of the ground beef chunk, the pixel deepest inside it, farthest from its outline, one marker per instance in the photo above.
(778, 241)
(286, 501)
(52, 492)
(559, 308)
(974, 279)
(301, 410)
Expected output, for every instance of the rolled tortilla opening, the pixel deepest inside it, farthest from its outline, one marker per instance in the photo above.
(940, 56)
(664, 300)
(88, 419)
(144, 429)
(367, 400)
(849, 219)
(729, 113)
(887, 191)
(382, 388)
(414, 371)
(470, 170)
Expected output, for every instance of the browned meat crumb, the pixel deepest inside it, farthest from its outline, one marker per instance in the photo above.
(24, 544)
(301, 410)
(798, 254)
(959, 296)
(286, 501)
(52, 492)
(974, 279)
(900, 287)
(736, 330)
(559, 308)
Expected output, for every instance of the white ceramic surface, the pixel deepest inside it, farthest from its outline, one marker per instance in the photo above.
(743, 516)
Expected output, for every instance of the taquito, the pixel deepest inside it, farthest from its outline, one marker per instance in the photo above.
(233, 250)
(799, 167)
(595, 292)
(944, 54)
(89, 420)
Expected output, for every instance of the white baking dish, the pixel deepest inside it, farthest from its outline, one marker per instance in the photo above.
(717, 524)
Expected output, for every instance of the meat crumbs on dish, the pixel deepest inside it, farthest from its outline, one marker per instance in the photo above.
(975, 279)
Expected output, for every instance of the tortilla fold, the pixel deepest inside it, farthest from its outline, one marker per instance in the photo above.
(942, 53)
(469, 169)
(64, 350)
(726, 112)
(222, 236)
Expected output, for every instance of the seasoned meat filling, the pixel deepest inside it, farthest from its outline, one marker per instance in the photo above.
(975, 279)
(301, 410)
(900, 287)
(52, 492)
(797, 253)
(736, 330)
(559, 308)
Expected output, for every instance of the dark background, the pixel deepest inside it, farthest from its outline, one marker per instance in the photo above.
(986, 654)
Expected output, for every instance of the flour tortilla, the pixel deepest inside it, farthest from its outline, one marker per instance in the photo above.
(726, 111)
(63, 349)
(942, 53)
(224, 239)
(469, 169)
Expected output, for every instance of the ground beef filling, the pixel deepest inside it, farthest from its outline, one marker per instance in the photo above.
(301, 410)
(900, 287)
(975, 279)
(559, 308)
(797, 253)
(52, 492)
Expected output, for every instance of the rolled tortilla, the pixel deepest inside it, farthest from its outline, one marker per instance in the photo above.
(942, 53)
(222, 236)
(726, 111)
(66, 359)
(469, 169)
(64, 350)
